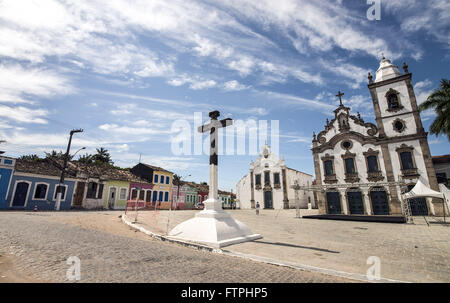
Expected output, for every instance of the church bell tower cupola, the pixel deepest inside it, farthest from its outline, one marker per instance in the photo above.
(394, 101)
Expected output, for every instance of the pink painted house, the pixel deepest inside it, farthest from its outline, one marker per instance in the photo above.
(179, 196)
(143, 192)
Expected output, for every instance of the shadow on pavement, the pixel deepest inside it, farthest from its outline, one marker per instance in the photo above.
(298, 246)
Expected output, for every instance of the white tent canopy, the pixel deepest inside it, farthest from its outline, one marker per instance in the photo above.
(420, 190)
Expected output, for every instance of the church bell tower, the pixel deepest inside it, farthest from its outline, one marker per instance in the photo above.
(394, 101)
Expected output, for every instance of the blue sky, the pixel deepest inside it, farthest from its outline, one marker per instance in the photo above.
(124, 71)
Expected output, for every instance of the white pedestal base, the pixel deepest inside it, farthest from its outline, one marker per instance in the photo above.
(213, 227)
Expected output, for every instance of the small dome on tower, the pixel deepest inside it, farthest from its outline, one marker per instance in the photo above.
(387, 70)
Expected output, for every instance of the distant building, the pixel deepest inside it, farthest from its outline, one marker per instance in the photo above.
(186, 196)
(161, 180)
(442, 169)
(270, 183)
(35, 183)
(225, 197)
(6, 173)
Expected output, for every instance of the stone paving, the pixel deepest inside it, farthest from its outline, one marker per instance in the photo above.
(417, 252)
(40, 244)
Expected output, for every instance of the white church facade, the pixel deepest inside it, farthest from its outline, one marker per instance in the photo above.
(270, 182)
(363, 168)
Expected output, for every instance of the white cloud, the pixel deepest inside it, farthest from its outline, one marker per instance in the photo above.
(23, 114)
(431, 16)
(422, 90)
(195, 82)
(196, 85)
(17, 83)
(132, 131)
(233, 85)
(243, 65)
(299, 101)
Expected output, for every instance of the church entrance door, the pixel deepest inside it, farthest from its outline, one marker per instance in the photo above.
(380, 204)
(334, 203)
(418, 205)
(355, 203)
(268, 199)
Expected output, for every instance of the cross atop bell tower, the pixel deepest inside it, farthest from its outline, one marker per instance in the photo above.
(339, 95)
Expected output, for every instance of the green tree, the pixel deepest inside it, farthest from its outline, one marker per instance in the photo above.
(32, 157)
(102, 157)
(439, 100)
(86, 158)
(55, 155)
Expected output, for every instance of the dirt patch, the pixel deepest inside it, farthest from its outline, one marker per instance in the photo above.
(8, 273)
(107, 223)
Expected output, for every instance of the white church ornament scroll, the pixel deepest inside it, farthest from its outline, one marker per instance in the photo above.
(213, 226)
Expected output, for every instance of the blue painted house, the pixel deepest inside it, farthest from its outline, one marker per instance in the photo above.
(6, 172)
(34, 183)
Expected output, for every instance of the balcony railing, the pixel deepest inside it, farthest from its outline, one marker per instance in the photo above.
(330, 178)
(351, 177)
(411, 172)
(375, 176)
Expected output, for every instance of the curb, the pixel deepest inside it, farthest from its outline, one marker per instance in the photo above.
(329, 272)
(168, 239)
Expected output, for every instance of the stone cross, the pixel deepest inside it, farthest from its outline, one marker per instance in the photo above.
(213, 127)
(340, 96)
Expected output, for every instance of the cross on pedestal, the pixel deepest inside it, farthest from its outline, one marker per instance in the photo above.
(213, 127)
(339, 95)
(213, 226)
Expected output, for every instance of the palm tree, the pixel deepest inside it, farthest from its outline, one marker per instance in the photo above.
(439, 100)
(32, 157)
(177, 181)
(102, 156)
(86, 158)
(55, 155)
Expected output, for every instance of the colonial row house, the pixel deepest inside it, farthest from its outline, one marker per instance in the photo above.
(161, 180)
(30, 184)
(363, 168)
(105, 187)
(35, 183)
(6, 173)
(202, 191)
(225, 198)
(185, 195)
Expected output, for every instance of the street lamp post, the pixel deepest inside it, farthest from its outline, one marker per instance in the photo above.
(66, 158)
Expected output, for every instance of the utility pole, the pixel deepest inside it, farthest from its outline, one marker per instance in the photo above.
(61, 180)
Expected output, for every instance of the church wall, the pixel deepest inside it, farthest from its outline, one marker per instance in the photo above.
(243, 192)
(409, 122)
(418, 159)
(303, 180)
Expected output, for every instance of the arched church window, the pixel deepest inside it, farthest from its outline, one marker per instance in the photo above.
(407, 161)
(258, 179)
(349, 166)
(393, 101)
(266, 177)
(276, 178)
(372, 164)
(328, 168)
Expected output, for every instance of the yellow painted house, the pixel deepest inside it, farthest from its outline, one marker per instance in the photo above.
(161, 180)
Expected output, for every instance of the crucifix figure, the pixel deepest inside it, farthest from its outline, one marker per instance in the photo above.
(213, 128)
(340, 97)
